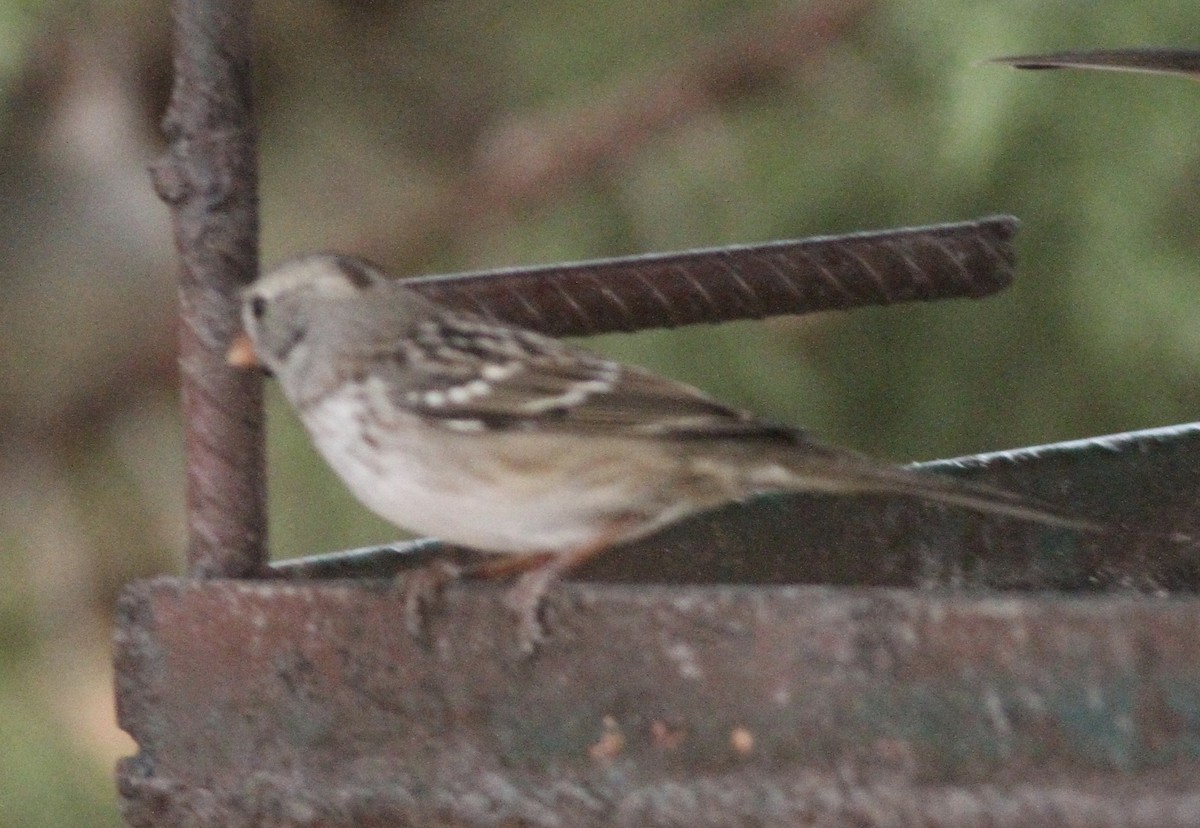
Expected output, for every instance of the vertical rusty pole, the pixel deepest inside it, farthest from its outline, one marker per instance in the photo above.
(208, 177)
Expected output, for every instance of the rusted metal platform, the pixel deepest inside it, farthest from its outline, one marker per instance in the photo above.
(791, 661)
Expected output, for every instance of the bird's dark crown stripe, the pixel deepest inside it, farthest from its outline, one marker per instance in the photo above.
(359, 273)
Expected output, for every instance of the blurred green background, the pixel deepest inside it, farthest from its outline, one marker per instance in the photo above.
(455, 135)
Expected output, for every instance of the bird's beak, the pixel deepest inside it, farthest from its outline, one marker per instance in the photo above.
(241, 353)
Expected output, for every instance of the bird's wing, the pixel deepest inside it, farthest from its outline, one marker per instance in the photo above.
(469, 373)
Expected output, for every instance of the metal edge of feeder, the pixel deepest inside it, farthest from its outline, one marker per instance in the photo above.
(305, 702)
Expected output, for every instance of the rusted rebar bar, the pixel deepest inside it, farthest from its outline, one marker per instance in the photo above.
(967, 259)
(208, 177)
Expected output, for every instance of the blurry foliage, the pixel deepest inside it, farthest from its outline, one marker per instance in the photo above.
(440, 136)
(17, 19)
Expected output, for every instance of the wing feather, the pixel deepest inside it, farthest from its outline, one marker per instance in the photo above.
(460, 369)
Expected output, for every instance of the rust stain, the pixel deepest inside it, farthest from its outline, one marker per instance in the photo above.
(611, 742)
(742, 741)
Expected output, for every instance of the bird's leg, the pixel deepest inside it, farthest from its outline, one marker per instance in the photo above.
(535, 573)
(423, 588)
(527, 596)
(506, 566)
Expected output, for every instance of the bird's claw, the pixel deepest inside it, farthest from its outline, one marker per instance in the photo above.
(423, 589)
(527, 600)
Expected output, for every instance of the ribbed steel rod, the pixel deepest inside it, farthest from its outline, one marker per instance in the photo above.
(966, 259)
(208, 177)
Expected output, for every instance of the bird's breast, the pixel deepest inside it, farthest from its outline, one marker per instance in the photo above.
(495, 492)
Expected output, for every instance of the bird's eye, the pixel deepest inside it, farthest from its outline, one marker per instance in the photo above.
(258, 306)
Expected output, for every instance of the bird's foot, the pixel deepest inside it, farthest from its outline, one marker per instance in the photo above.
(527, 600)
(423, 589)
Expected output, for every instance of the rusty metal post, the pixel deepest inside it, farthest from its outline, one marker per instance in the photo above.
(208, 177)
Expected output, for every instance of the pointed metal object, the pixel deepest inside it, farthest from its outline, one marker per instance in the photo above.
(1154, 60)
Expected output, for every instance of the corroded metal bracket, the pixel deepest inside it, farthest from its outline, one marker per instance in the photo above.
(794, 660)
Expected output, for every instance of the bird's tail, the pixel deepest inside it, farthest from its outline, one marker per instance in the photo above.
(816, 468)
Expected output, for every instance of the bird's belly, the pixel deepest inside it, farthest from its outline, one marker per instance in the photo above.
(489, 518)
(534, 494)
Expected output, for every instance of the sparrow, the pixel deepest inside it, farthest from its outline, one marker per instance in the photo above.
(507, 441)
